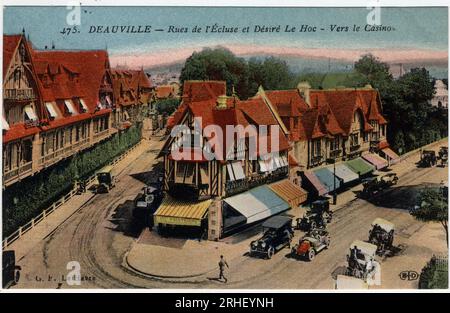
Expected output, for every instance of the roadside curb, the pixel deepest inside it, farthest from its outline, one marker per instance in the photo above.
(175, 279)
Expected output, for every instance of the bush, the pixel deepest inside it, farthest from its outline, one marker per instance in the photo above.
(47, 186)
(435, 274)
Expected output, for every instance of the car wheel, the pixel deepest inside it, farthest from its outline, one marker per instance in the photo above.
(313, 225)
(16, 277)
(270, 252)
(311, 254)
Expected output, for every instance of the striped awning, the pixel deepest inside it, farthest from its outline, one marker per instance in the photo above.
(290, 192)
(375, 160)
(181, 212)
(257, 203)
(312, 178)
(391, 156)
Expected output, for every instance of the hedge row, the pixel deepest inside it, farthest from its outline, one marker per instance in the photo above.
(435, 274)
(28, 198)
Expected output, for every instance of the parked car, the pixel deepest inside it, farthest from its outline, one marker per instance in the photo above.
(388, 180)
(361, 261)
(278, 233)
(318, 216)
(10, 271)
(312, 243)
(382, 235)
(105, 179)
(428, 158)
(146, 204)
(375, 184)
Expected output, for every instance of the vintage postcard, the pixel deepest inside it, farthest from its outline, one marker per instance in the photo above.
(178, 147)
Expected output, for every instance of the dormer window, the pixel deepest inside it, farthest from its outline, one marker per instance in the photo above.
(83, 106)
(29, 114)
(69, 106)
(51, 110)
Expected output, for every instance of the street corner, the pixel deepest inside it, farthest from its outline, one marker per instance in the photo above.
(177, 258)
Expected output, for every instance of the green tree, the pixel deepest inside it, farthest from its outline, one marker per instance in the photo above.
(221, 64)
(166, 106)
(216, 64)
(432, 206)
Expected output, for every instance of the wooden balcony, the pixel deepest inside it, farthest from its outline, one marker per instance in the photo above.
(101, 135)
(19, 94)
(63, 153)
(16, 174)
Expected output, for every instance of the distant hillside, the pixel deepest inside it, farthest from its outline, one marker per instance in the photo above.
(323, 66)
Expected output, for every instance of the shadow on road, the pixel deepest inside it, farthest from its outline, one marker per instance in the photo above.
(150, 177)
(401, 197)
(122, 218)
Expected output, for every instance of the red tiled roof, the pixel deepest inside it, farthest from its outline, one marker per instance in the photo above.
(91, 66)
(127, 85)
(164, 91)
(19, 131)
(200, 98)
(287, 101)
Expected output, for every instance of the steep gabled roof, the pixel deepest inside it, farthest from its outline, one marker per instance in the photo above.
(91, 66)
(10, 43)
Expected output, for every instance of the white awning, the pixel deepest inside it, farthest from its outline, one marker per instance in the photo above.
(30, 113)
(83, 105)
(69, 106)
(258, 203)
(51, 110)
(238, 170)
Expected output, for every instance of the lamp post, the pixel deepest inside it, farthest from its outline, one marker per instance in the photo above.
(334, 182)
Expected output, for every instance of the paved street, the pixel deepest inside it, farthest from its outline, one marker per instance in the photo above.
(99, 235)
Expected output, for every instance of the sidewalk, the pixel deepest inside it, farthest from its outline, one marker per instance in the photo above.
(29, 240)
(191, 260)
(155, 256)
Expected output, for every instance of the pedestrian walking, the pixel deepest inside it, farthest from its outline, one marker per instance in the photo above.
(222, 264)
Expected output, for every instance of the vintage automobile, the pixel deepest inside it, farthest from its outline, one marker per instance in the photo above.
(318, 216)
(105, 179)
(361, 260)
(312, 243)
(388, 180)
(146, 204)
(428, 158)
(10, 271)
(382, 235)
(443, 155)
(278, 233)
(375, 184)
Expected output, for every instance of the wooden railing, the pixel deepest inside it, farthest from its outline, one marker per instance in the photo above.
(17, 172)
(101, 134)
(18, 94)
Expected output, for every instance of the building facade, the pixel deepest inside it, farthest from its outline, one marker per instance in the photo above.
(56, 103)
